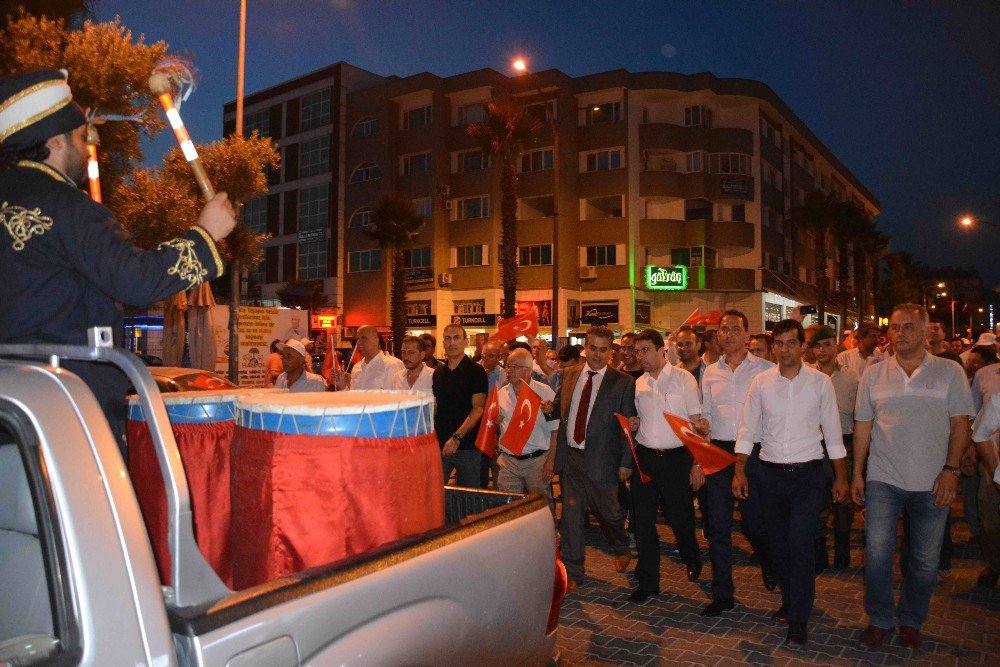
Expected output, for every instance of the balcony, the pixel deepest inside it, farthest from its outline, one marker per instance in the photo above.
(686, 233)
(602, 135)
(602, 183)
(696, 185)
(733, 280)
(696, 138)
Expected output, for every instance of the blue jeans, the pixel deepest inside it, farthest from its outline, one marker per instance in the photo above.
(465, 463)
(884, 503)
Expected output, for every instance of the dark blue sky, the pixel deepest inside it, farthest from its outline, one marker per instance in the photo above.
(905, 94)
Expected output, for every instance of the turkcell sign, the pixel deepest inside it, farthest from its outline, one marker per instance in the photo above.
(666, 277)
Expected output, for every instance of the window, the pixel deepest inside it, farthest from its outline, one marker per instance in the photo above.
(531, 208)
(411, 165)
(693, 162)
(471, 113)
(361, 218)
(539, 160)
(469, 255)
(770, 132)
(697, 209)
(474, 160)
(416, 258)
(314, 157)
(255, 214)
(419, 117)
(364, 260)
(603, 160)
(473, 207)
(602, 255)
(542, 111)
(772, 176)
(609, 112)
(697, 115)
(258, 276)
(312, 260)
(729, 163)
(738, 213)
(313, 208)
(470, 307)
(596, 208)
(424, 207)
(696, 256)
(366, 127)
(260, 121)
(535, 255)
(366, 171)
(316, 110)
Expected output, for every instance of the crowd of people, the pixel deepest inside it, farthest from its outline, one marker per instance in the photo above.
(822, 427)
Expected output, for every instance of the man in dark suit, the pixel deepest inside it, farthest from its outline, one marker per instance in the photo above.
(592, 454)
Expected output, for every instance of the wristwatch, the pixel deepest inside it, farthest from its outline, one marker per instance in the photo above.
(952, 469)
(457, 436)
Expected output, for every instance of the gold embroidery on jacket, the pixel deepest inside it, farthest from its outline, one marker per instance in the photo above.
(187, 267)
(22, 223)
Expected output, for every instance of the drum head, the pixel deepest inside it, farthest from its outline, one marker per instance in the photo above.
(199, 407)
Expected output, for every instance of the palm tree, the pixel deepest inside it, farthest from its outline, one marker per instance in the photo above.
(850, 224)
(502, 135)
(817, 216)
(395, 225)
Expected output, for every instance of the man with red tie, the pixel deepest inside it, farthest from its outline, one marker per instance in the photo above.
(592, 452)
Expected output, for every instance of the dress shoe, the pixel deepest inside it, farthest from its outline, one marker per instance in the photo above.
(640, 595)
(797, 634)
(621, 562)
(770, 581)
(781, 614)
(571, 587)
(716, 607)
(988, 578)
(910, 637)
(874, 637)
(694, 571)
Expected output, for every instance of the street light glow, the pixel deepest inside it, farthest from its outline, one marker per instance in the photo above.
(940, 284)
(967, 221)
(520, 65)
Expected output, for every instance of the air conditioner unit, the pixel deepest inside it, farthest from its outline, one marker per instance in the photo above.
(588, 272)
(447, 204)
(444, 279)
(444, 190)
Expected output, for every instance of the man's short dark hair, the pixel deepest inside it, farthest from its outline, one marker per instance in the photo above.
(866, 328)
(569, 353)
(9, 157)
(784, 326)
(708, 335)
(987, 352)
(732, 312)
(652, 335)
(685, 328)
(628, 334)
(601, 332)
(453, 325)
(518, 345)
(429, 340)
(417, 340)
(763, 337)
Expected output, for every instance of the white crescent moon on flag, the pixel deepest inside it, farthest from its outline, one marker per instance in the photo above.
(518, 327)
(526, 403)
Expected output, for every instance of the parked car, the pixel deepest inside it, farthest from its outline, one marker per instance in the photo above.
(175, 378)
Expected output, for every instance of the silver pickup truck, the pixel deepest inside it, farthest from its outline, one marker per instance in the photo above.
(78, 583)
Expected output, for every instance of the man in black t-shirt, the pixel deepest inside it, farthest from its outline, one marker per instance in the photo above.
(460, 393)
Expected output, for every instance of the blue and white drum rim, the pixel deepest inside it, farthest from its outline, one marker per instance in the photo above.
(199, 407)
(357, 414)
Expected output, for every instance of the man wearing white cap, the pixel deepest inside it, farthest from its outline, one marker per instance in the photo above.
(66, 265)
(296, 378)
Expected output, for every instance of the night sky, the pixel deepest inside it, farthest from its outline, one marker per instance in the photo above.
(905, 94)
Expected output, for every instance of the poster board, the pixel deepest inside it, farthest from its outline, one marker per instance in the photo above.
(257, 328)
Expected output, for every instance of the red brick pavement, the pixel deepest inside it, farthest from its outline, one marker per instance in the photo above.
(599, 626)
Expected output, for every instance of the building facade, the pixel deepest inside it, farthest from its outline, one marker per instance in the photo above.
(673, 193)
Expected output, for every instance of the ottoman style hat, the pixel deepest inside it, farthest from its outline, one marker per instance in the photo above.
(35, 106)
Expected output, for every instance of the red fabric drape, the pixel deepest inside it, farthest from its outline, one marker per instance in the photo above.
(204, 450)
(301, 501)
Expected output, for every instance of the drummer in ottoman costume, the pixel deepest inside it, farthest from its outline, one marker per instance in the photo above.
(65, 263)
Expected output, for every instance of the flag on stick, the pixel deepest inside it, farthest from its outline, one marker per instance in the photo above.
(522, 421)
(712, 459)
(525, 324)
(623, 421)
(486, 439)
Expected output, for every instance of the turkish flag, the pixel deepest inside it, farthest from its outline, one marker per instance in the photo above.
(332, 359)
(712, 459)
(208, 382)
(522, 420)
(525, 324)
(709, 319)
(692, 317)
(623, 420)
(486, 439)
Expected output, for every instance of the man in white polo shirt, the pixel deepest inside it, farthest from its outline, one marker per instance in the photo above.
(911, 428)
(376, 369)
(416, 375)
(865, 353)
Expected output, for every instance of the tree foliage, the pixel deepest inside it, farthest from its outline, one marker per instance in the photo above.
(108, 70)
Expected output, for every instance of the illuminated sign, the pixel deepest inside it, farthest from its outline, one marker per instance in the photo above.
(666, 277)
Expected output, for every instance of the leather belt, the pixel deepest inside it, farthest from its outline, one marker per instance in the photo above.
(663, 452)
(792, 466)
(525, 457)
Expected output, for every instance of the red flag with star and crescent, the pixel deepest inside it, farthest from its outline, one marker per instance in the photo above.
(712, 459)
(525, 324)
(522, 420)
(486, 439)
(699, 319)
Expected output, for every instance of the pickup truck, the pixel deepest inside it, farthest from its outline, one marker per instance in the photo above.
(78, 583)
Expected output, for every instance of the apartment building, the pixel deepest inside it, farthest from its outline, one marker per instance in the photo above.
(672, 194)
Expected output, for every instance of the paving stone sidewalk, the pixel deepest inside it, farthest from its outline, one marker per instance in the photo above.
(599, 626)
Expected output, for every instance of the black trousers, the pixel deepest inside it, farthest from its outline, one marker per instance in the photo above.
(791, 501)
(669, 489)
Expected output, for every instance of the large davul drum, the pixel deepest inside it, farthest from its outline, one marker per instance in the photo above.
(317, 477)
(202, 423)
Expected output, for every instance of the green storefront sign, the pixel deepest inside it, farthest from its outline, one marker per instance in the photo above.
(666, 277)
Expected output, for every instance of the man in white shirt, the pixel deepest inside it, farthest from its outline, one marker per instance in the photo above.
(665, 459)
(376, 369)
(531, 471)
(724, 386)
(416, 375)
(865, 353)
(296, 378)
(788, 406)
